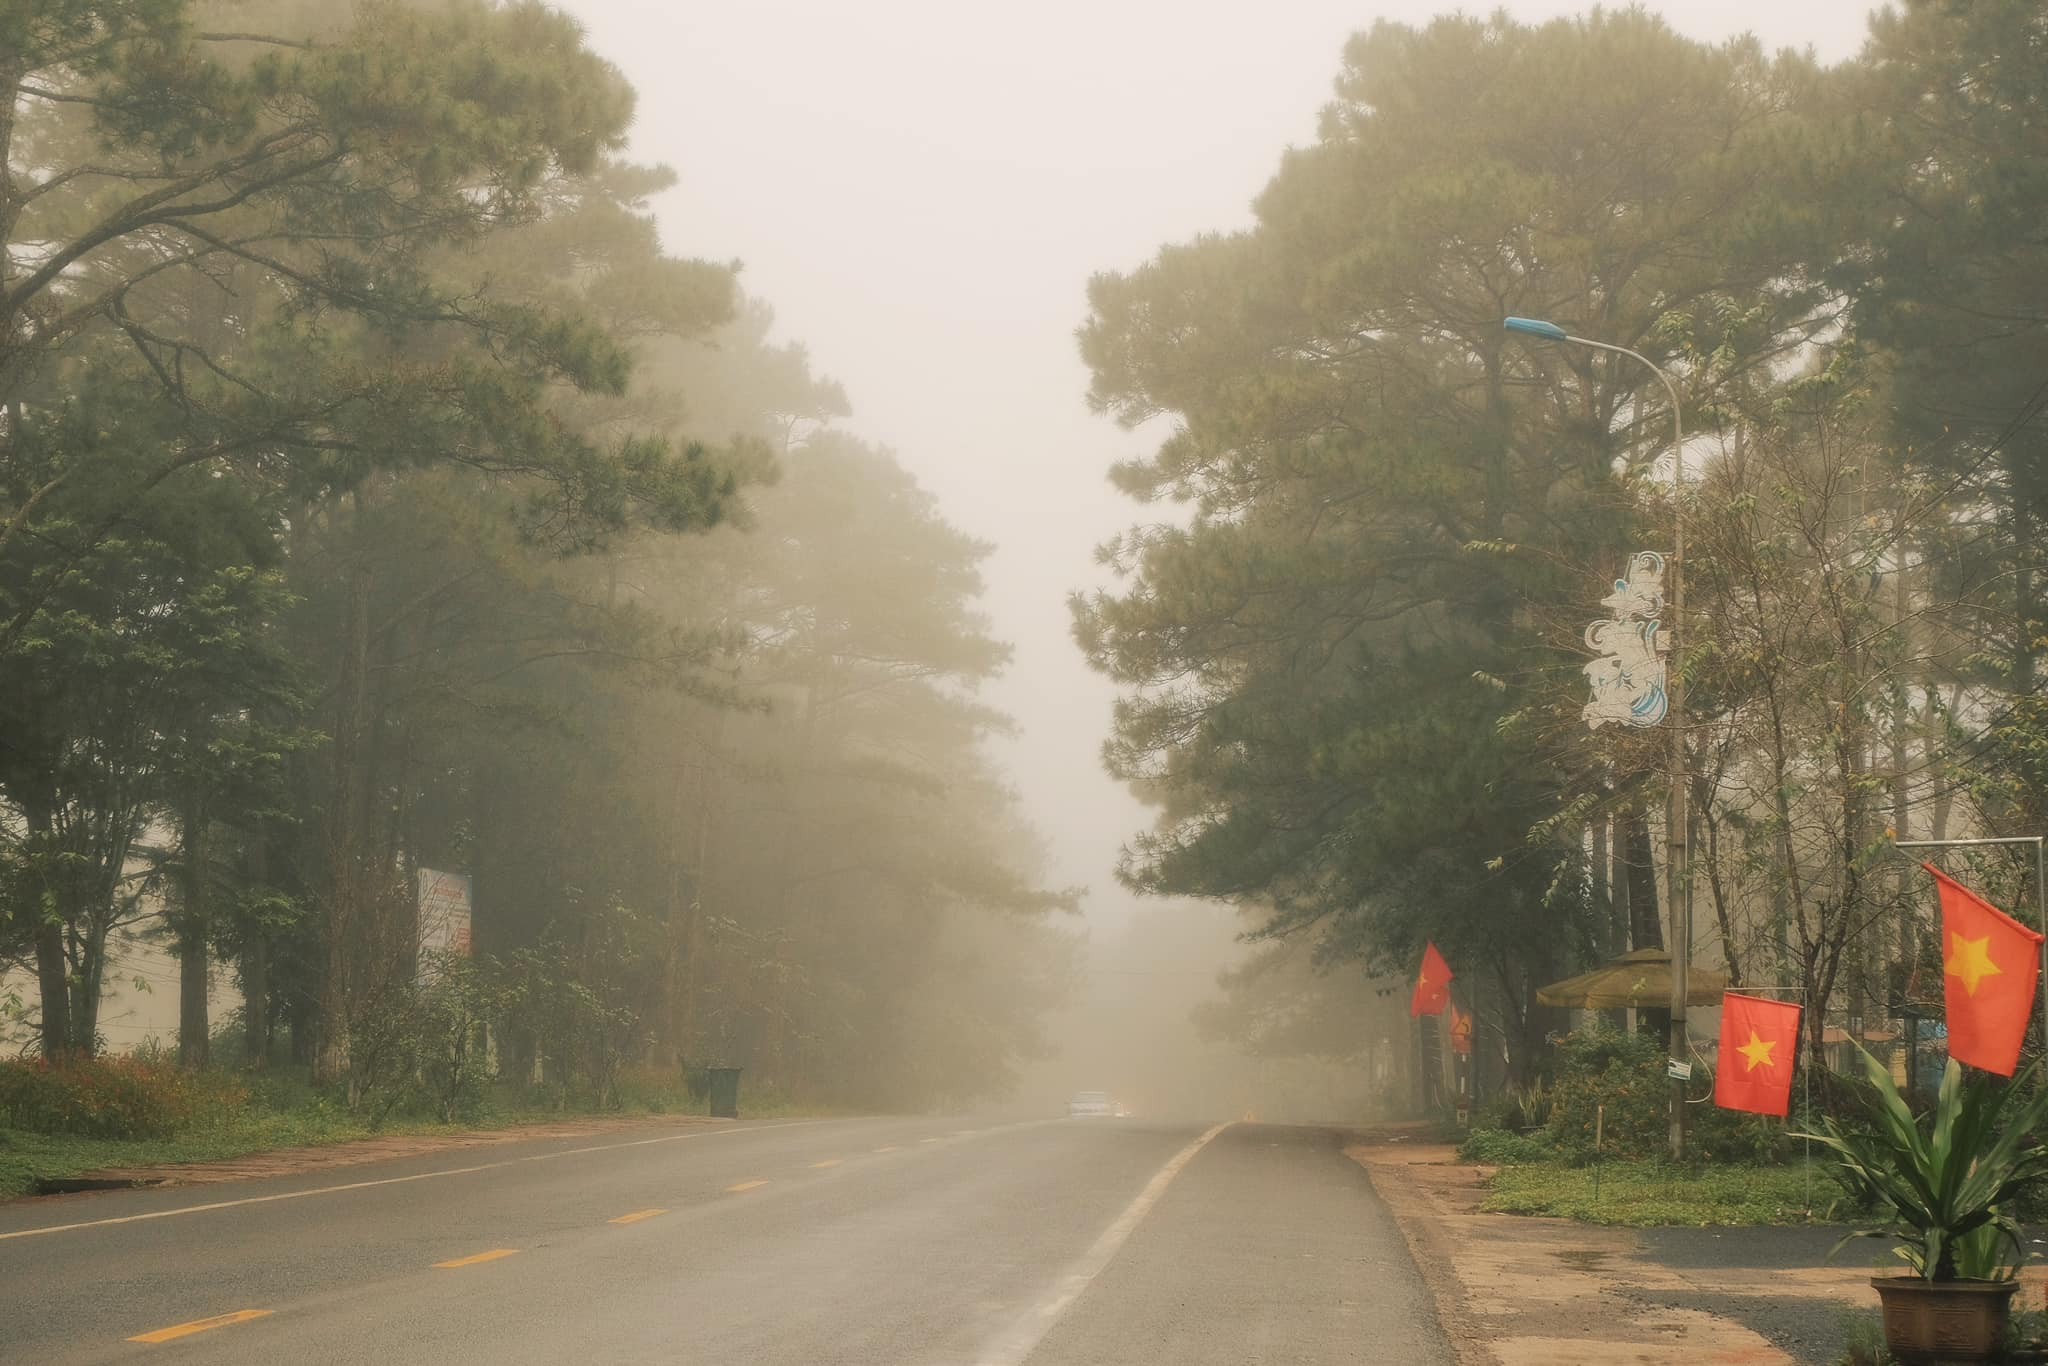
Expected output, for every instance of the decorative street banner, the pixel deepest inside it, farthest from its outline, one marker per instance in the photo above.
(1989, 964)
(1628, 678)
(444, 915)
(1754, 1069)
(1461, 1031)
(1432, 984)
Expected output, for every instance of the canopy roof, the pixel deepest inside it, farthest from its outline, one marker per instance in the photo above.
(1641, 978)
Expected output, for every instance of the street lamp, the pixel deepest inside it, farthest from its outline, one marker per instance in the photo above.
(1677, 864)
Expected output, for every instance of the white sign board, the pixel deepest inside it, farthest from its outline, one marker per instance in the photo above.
(1628, 677)
(444, 913)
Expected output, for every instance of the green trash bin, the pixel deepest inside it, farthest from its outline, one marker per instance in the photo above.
(725, 1092)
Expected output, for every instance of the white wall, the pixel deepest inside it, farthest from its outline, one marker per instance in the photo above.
(140, 1001)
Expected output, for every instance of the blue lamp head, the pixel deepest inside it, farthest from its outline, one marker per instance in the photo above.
(1536, 327)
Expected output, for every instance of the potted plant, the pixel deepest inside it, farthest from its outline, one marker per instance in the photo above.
(1941, 1184)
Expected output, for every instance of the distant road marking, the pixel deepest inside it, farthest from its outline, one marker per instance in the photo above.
(636, 1216)
(1014, 1344)
(476, 1257)
(201, 1325)
(747, 1186)
(887, 1148)
(939, 1139)
(828, 1162)
(398, 1180)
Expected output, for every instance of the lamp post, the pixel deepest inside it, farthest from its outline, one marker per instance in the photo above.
(1677, 864)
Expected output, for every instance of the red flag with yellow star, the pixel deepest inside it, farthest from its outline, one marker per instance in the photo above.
(1758, 1039)
(1432, 984)
(1989, 963)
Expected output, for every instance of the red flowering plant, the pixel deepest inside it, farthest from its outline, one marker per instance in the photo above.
(95, 1097)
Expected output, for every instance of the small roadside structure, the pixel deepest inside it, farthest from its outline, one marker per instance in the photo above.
(1641, 978)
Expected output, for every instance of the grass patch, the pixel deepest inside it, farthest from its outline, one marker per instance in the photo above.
(283, 1111)
(1653, 1194)
(26, 1158)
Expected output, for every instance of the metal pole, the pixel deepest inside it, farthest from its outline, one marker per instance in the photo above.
(2040, 893)
(1677, 862)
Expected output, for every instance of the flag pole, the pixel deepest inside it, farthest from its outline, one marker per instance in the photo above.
(2040, 893)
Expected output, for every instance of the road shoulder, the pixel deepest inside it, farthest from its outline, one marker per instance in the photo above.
(1520, 1291)
(321, 1157)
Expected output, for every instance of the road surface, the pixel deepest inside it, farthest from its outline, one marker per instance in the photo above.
(889, 1241)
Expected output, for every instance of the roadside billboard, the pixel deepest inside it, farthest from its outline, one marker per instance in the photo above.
(444, 915)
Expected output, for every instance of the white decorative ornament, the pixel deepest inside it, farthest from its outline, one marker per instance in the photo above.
(1628, 678)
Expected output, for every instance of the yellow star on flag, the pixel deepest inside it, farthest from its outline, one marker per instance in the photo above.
(1970, 960)
(1757, 1052)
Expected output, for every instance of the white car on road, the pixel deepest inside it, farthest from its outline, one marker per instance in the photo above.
(1091, 1105)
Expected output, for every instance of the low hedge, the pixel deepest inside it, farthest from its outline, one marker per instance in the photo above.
(1623, 1075)
(104, 1097)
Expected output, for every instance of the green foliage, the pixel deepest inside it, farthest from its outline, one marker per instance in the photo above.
(1610, 1087)
(580, 1031)
(1624, 1073)
(1342, 667)
(1501, 1148)
(1944, 1184)
(1520, 1109)
(1863, 1343)
(104, 1097)
(1650, 1194)
(423, 1048)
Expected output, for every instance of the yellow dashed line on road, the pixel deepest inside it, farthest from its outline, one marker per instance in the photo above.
(201, 1325)
(747, 1186)
(636, 1216)
(940, 1139)
(828, 1162)
(476, 1257)
(886, 1148)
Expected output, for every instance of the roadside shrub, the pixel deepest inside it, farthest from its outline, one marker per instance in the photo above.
(655, 1090)
(421, 1047)
(1518, 1109)
(1499, 1148)
(97, 1097)
(1625, 1074)
(1719, 1135)
(1620, 1072)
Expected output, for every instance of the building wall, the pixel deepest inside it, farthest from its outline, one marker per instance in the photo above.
(140, 1004)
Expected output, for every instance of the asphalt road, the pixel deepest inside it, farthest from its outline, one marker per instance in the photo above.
(890, 1241)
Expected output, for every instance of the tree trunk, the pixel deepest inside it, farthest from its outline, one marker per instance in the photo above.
(53, 975)
(1645, 927)
(88, 963)
(256, 998)
(53, 981)
(345, 918)
(255, 964)
(192, 926)
(2024, 608)
(1603, 906)
(194, 1029)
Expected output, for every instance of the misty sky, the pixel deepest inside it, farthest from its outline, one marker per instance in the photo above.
(921, 189)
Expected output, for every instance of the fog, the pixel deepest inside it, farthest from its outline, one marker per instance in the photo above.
(710, 622)
(922, 190)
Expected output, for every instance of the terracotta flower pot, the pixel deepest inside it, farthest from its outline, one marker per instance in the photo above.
(1943, 1321)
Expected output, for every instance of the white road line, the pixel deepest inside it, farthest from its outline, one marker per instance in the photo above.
(399, 1180)
(1021, 1338)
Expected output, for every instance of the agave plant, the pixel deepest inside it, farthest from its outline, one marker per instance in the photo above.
(1944, 1183)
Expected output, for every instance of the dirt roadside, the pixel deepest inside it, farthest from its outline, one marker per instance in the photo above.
(355, 1152)
(1516, 1291)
